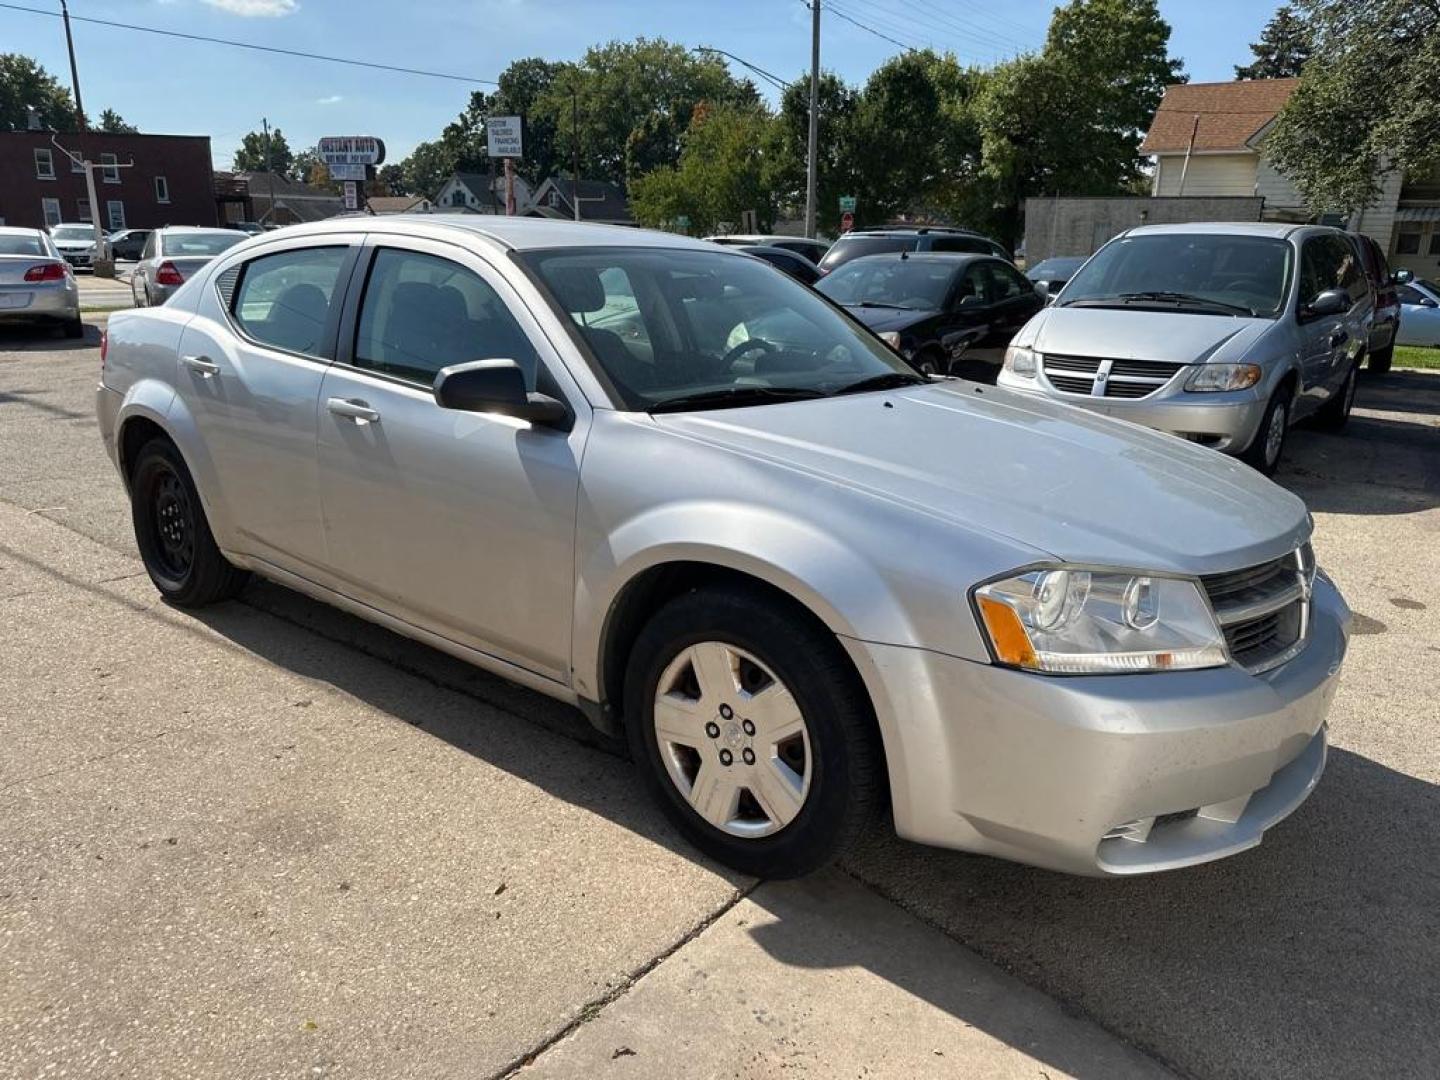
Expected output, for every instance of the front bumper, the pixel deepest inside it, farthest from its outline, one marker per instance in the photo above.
(79, 258)
(1103, 775)
(58, 300)
(1224, 421)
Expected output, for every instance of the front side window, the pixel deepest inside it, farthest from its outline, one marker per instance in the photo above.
(110, 168)
(162, 190)
(1205, 273)
(1349, 275)
(421, 313)
(199, 243)
(678, 328)
(44, 164)
(284, 299)
(50, 208)
(1006, 283)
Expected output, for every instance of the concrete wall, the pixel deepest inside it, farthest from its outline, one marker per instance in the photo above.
(1207, 175)
(1079, 226)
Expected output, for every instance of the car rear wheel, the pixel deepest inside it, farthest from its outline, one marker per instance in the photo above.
(1381, 359)
(1335, 413)
(1266, 449)
(753, 732)
(172, 533)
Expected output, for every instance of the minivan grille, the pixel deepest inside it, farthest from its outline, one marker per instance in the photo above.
(1264, 610)
(1122, 378)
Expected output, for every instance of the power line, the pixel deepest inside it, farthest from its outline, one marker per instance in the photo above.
(779, 83)
(254, 47)
(833, 10)
(933, 18)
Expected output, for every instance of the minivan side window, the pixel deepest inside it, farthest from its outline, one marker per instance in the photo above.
(284, 299)
(1319, 268)
(421, 313)
(1349, 274)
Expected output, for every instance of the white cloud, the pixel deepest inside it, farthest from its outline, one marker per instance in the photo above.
(333, 99)
(254, 8)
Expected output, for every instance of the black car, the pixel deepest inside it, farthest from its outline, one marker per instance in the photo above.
(793, 263)
(862, 242)
(933, 308)
(1054, 272)
(128, 243)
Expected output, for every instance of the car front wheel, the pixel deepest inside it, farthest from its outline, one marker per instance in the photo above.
(1266, 448)
(753, 731)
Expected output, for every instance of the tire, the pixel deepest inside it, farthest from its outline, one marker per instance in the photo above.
(1335, 413)
(931, 362)
(827, 771)
(172, 533)
(137, 297)
(1381, 359)
(74, 328)
(1264, 453)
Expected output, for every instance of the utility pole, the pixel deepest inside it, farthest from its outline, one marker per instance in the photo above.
(575, 138)
(74, 71)
(812, 168)
(100, 263)
(269, 171)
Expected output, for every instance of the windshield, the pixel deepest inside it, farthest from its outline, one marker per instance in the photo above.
(663, 325)
(13, 244)
(73, 232)
(200, 243)
(1250, 272)
(916, 284)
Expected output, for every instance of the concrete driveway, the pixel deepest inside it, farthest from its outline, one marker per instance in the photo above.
(273, 840)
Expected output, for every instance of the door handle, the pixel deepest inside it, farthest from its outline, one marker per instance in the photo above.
(203, 365)
(1338, 338)
(354, 409)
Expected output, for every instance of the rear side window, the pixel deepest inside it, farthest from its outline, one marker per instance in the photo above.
(284, 299)
(421, 313)
(971, 245)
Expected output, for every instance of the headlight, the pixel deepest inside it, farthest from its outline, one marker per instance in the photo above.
(1068, 621)
(891, 338)
(1021, 361)
(1209, 377)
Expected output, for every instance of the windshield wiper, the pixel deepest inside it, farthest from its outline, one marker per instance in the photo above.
(890, 380)
(1176, 298)
(733, 397)
(879, 303)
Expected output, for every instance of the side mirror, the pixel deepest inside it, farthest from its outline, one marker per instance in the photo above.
(1402, 277)
(497, 386)
(1329, 302)
(1042, 290)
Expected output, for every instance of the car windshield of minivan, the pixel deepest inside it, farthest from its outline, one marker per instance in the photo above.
(915, 284)
(200, 243)
(674, 330)
(74, 232)
(1204, 273)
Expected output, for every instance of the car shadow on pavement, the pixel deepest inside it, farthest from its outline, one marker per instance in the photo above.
(36, 338)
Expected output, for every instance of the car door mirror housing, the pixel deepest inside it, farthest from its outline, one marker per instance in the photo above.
(1329, 302)
(497, 386)
(1427, 302)
(1402, 277)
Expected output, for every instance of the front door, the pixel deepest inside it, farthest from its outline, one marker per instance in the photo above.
(1329, 341)
(461, 523)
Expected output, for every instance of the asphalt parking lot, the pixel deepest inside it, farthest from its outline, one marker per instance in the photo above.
(273, 840)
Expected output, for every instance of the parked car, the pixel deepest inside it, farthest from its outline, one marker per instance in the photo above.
(128, 244)
(36, 283)
(1420, 324)
(1053, 273)
(76, 243)
(933, 308)
(792, 262)
(861, 242)
(171, 255)
(1380, 344)
(814, 250)
(1222, 334)
(800, 579)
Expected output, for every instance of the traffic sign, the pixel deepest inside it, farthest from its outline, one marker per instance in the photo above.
(847, 204)
(351, 150)
(847, 221)
(504, 136)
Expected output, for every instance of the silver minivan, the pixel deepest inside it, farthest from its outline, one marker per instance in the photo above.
(1223, 334)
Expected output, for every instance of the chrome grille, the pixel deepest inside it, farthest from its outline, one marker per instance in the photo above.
(1094, 376)
(1264, 610)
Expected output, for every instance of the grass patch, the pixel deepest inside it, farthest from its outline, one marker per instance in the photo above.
(1415, 356)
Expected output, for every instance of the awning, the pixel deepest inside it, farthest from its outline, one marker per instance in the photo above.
(1418, 213)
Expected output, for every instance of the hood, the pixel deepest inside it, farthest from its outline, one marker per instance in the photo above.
(881, 319)
(1125, 334)
(1049, 476)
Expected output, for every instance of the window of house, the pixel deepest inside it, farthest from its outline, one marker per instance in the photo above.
(457, 197)
(51, 209)
(162, 190)
(554, 199)
(284, 299)
(1434, 248)
(110, 168)
(83, 210)
(77, 165)
(44, 164)
(1407, 240)
(115, 212)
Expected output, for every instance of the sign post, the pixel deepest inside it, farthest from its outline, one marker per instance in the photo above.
(351, 159)
(505, 138)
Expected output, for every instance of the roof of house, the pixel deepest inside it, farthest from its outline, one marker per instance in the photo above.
(600, 200)
(1231, 114)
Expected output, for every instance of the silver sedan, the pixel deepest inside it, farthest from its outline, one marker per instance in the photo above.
(669, 485)
(36, 283)
(172, 255)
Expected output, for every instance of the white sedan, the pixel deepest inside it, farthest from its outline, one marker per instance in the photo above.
(1419, 313)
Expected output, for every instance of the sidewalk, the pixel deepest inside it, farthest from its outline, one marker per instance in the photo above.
(107, 294)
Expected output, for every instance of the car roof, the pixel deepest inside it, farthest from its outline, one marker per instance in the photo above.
(1280, 230)
(511, 233)
(770, 239)
(193, 229)
(756, 249)
(19, 230)
(951, 258)
(915, 230)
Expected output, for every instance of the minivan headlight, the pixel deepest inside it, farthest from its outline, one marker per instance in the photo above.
(1062, 620)
(1213, 377)
(1021, 361)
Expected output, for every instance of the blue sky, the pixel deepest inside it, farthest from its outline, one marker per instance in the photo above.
(166, 85)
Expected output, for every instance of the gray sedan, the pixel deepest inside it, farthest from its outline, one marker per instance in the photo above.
(663, 483)
(171, 255)
(36, 283)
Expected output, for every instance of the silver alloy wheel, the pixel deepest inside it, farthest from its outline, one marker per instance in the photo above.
(733, 740)
(1275, 434)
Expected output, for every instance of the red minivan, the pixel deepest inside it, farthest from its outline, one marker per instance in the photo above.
(1381, 348)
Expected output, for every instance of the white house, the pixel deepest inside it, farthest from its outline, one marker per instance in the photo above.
(479, 193)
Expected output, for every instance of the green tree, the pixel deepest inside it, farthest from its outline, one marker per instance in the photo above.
(307, 168)
(24, 83)
(1282, 50)
(114, 123)
(1370, 109)
(427, 168)
(252, 155)
(521, 87)
(391, 179)
(788, 149)
(720, 173)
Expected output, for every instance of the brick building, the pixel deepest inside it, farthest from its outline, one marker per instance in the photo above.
(171, 182)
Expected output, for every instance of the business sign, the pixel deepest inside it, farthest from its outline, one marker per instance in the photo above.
(504, 136)
(351, 150)
(847, 204)
(347, 172)
(352, 195)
